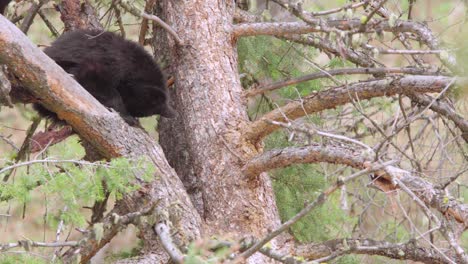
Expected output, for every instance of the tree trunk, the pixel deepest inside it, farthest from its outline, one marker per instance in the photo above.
(204, 143)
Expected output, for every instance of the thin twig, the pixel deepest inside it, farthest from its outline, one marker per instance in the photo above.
(312, 131)
(25, 146)
(134, 11)
(46, 20)
(369, 17)
(26, 163)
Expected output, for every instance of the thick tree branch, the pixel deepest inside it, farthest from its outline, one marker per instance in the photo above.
(341, 95)
(431, 196)
(321, 25)
(78, 15)
(337, 247)
(317, 75)
(320, 43)
(314, 153)
(105, 130)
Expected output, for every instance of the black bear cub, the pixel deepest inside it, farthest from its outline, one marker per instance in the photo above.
(117, 72)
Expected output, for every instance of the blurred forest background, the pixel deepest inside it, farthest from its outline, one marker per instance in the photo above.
(434, 151)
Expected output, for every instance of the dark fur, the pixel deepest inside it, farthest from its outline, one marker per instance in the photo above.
(3, 5)
(118, 73)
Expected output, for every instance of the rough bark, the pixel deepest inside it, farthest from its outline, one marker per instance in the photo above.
(106, 131)
(208, 98)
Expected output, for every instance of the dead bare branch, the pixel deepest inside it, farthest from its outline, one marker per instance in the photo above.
(443, 109)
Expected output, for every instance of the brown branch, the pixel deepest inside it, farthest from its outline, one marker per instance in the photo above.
(402, 52)
(48, 138)
(31, 14)
(373, 12)
(25, 146)
(341, 95)
(5, 88)
(313, 24)
(338, 247)
(27, 244)
(242, 16)
(144, 22)
(314, 153)
(320, 25)
(317, 75)
(105, 130)
(49, 24)
(112, 224)
(359, 58)
(273, 28)
(325, 45)
(154, 18)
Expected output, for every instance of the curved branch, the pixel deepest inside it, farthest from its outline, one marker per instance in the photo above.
(341, 95)
(280, 158)
(431, 196)
(105, 130)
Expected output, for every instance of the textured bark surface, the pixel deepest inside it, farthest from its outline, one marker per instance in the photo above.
(107, 132)
(204, 143)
